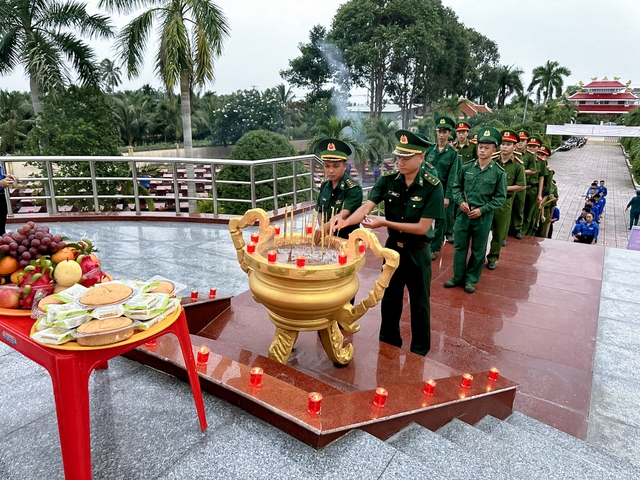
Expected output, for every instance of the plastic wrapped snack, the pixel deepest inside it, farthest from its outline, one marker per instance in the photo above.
(101, 313)
(172, 305)
(53, 336)
(67, 310)
(165, 285)
(72, 293)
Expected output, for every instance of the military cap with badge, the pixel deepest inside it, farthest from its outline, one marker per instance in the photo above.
(509, 135)
(462, 126)
(489, 135)
(410, 144)
(445, 123)
(333, 150)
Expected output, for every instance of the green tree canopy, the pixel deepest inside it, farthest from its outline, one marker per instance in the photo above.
(548, 78)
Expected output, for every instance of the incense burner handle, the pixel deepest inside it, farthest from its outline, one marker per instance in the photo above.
(236, 225)
(348, 314)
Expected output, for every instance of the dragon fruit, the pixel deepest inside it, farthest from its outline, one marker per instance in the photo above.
(90, 264)
(36, 281)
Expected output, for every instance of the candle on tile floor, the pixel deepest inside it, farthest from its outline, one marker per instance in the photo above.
(255, 379)
(276, 228)
(309, 229)
(251, 247)
(380, 397)
(212, 293)
(203, 354)
(314, 405)
(272, 256)
(467, 380)
(194, 295)
(301, 261)
(430, 387)
(494, 373)
(255, 237)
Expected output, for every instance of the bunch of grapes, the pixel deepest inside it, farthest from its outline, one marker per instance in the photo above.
(29, 242)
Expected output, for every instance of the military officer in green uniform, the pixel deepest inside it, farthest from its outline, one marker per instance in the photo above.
(339, 193)
(545, 206)
(479, 189)
(413, 199)
(447, 162)
(532, 169)
(466, 149)
(516, 182)
(517, 210)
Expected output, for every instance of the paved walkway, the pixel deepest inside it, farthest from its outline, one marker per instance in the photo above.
(575, 170)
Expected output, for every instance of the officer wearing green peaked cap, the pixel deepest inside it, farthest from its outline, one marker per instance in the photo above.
(517, 210)
(515, 181)
(543, 156)
(444, 157)
(479, 189)
(463, 146)
(413, 199)
(339, 193)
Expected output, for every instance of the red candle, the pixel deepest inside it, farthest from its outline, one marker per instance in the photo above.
(203, 354)
(342, 258)
(467, 380)
(361, 247)
(276, 228)
(212, 293)
(272, 256)
(30, 211)
(301, 261)
(429, 387)
(314, 405)
(255, 379)
(151, 343)
(309, 229)
(194, 295)
(255, 237)
(494, 373)
(380, 397)
(251, 247)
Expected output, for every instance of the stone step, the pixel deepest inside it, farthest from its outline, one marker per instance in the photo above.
(541, 455)
(440, 457)
(617, 466)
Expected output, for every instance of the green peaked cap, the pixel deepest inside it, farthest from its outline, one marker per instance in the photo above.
(334, 150)
(445, 122)
(409, 144)
(489, 135)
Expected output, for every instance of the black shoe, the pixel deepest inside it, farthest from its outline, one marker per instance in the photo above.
(433, 256)
(491, 265)
(469, 288)
(450, 284)
(519, 236)
(504, 242)
(450, 239)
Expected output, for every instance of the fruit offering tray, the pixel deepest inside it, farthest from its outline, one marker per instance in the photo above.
(104, 314)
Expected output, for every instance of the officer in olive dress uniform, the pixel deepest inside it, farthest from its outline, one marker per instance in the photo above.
(517, 210)
(339, 193)
(545, 207)
(413, 199)
(543, 172)
(479, 189)
(532, 169)
(447, 162)
(514, 170)
(466, 149)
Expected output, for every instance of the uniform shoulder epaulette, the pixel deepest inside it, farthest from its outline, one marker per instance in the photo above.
(350, 183)
(519, 161)
(500, 167)
(390, 172)
(517, 153)
(432, 179)
(429, 165)
(324, 181)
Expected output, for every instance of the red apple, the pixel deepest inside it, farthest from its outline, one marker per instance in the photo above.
(9, 296)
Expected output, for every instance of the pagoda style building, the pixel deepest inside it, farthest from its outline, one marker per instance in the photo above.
(604, 99)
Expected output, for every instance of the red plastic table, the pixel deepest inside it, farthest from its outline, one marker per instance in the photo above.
(70, 366)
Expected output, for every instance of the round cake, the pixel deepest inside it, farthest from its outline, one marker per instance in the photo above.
(104, 332)
(107, 294)
(48, 300)
(163, 287)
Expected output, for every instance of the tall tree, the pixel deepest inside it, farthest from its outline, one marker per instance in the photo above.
(37, 35)
(548, 78)
(191, 34)
(482, 76)
(16, 118)
(509, 82)
(109, 75)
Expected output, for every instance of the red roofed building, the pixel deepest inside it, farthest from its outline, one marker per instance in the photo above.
(604, 99)
(470, 109)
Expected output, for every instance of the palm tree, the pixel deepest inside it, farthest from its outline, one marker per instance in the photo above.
(547, 78)
(110, 75)
(35, 34)
(190, 39)
(15, 118)
(379, 138)
(509, 81)
(452, 106)
(132, 113)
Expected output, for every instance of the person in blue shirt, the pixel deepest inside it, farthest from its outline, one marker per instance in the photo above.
(583, 215)
(592, 190)
(602, 188)
(600, 202)
(594, 209)
(555, 216)
(145, 183)
(587, 231)
(5, 181)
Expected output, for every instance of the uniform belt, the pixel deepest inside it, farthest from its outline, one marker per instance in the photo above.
(411, 244)
(532, 185)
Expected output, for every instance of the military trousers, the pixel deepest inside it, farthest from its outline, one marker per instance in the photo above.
(531, 212)
(517, 211)
(499, 229)
(443, 227)
(414, 272)
(543, 228)
(470, 233)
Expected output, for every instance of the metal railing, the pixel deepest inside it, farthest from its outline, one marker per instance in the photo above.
(50, 191)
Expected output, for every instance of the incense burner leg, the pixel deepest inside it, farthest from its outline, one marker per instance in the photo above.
(283, 342)
(332, 341)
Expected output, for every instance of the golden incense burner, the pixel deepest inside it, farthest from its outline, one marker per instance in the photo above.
(311, 297)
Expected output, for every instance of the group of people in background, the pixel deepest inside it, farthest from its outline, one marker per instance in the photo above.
(587, 226)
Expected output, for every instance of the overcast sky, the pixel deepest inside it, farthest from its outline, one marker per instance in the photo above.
(590, 37)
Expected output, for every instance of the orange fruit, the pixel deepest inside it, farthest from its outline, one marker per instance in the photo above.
(8, 265)
(14, 275)
(67, 253)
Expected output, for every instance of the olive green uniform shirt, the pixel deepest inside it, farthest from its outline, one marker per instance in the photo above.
(447, 163)
(529, 160)
(424, 198)
(467, 152)
(481, 188)
(514, 170)
(346, 196)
